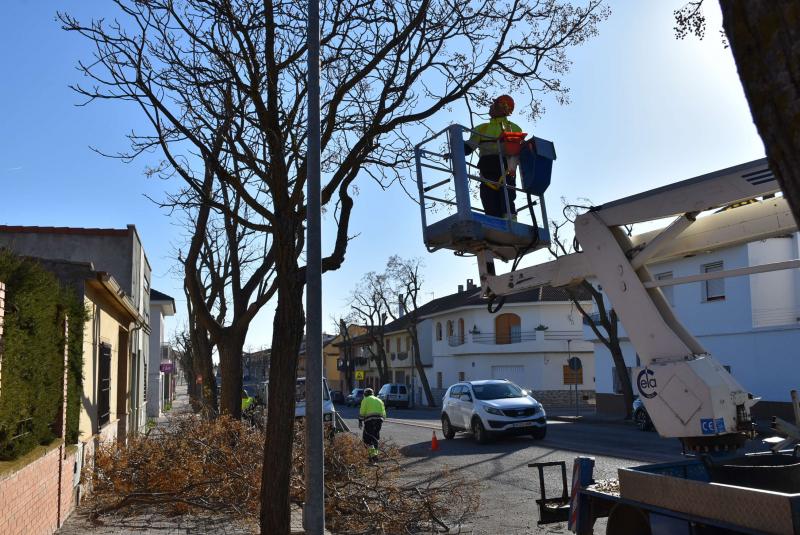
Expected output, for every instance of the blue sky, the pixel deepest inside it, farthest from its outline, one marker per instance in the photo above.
(646, 110)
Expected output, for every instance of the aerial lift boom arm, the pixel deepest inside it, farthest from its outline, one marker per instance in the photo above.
(687, 393)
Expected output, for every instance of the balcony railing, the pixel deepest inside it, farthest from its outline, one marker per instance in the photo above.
(454, 341)
(563, 335)
(594, 316)
(504, 338)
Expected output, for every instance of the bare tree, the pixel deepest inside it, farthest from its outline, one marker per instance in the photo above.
(605, 323)
(222, 84)
(406, 278)
(369, 308)
(763, 37)
(346, 329)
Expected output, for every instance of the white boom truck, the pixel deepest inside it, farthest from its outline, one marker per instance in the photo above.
(687, 393)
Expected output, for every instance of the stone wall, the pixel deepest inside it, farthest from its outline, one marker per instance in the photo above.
(552, 399)
(36, 499)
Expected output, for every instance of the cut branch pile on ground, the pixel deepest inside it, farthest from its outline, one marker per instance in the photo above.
(191, 463)
(216, 465)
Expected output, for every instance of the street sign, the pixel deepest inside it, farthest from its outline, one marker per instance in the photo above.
(575, 364)
(167, 367)
(359, 375)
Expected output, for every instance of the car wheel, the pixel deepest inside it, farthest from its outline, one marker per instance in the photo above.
(447, 429)
(479, 432)
(539, 433)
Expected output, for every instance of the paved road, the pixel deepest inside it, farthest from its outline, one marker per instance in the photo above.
(508, 487)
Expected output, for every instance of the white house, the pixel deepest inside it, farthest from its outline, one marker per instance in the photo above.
(751, 324)
(529, 341)
(159, 383)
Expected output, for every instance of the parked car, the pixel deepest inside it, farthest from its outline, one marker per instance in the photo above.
(641, 417)
(354, 398)
(491, 407)
(328, 410)
(337, 396)
(395, 395)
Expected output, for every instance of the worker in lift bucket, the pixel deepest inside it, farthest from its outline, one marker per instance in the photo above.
(497, 162)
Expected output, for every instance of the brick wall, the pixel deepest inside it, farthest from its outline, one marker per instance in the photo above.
(37, 499)
(564, 398)
(2, 315)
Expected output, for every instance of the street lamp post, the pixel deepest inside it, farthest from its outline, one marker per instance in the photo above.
(314, 509)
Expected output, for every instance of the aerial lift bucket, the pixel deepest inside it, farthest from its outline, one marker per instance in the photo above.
(470, 230)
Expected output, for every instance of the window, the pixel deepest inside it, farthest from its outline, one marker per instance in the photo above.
(104, 386)
(460, 330)
(507, 329)
(397, 345)
(449, 328)
(456, 391)
(666, 290)
(438, 331)
(713, 290)
(388, 346)
(439, 380)
(460, 376)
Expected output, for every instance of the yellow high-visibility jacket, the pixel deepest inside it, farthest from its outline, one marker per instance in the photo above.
(372, 408)
(487, 134)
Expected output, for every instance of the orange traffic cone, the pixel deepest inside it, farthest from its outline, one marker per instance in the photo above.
(434, 443)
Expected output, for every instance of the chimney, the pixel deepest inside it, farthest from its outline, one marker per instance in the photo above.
(470, 284)
(460, 288)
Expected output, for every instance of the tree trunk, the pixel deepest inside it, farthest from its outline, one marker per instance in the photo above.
(623, 376)
(287, 335)
(229, 346)
(203, 367)
(426, 387)
(764, 39)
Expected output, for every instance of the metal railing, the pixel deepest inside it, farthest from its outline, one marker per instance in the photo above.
(593, 317)
(504, 338)
(455, 340)
(563, 335)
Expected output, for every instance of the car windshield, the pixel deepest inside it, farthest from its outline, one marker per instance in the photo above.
(497, 391)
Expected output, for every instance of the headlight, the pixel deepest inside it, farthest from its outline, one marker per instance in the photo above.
(492, 410)
(537, 407)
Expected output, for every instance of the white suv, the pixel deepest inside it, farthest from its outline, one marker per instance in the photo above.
(491, 407)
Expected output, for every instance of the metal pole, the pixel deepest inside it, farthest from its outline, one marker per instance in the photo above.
(314, 509)
(460, 180)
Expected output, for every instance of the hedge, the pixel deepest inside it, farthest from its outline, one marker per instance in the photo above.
(31, 386)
